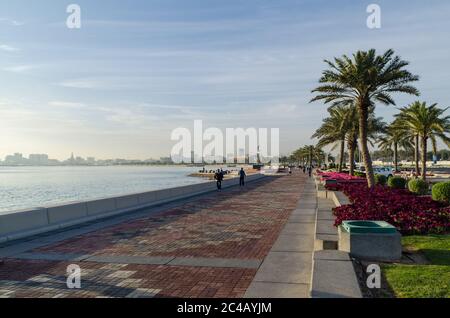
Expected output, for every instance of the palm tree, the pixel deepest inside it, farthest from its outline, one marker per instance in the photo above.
(426, 122)
(362, 81)
(301, 155)
(393, 138)
(308, 154)
(374, 127)
(334, 130)
(315, 154)
(405, 129)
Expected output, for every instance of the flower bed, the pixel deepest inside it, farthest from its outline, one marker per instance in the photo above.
(338, 176)
(408, 212)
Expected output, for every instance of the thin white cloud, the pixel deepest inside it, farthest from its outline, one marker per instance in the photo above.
(281, 109)
(8, 48)
(84, 84)
(66, 104)
(19, 68)
(11, 22)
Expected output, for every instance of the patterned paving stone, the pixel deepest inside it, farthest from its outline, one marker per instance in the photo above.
(126, 259)
(218, 240)
(216, 262)
(230, 224)
(47, 279)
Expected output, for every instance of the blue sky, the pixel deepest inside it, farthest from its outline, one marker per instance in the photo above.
(136, 70)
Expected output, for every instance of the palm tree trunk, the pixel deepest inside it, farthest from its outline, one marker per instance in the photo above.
(352, 160)
(351, 144)
(363, 115)
(416, 154)
(424, 157)
(341, 156)
(396, 157)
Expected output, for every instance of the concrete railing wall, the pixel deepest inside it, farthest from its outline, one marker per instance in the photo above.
(19, 224)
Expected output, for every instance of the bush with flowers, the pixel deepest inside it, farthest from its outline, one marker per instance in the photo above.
(410, 213)
(338, 176)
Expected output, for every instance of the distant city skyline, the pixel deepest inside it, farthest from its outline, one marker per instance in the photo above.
(136, 70)
(18, 158)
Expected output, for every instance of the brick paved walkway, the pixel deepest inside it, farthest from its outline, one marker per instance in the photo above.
(207, 246)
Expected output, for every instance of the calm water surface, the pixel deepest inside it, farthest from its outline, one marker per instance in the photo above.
(28, 187)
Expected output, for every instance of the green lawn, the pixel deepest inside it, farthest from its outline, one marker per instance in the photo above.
(436, 248)
(414, 281)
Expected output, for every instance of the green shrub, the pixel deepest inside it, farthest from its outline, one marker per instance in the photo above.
(418, 186)
(396, 183)
(360, 174)
(441, 191)
(380, 179)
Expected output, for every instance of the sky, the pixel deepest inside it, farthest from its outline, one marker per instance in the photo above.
(138, 69)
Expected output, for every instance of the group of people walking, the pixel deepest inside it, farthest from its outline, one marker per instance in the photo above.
(308, 169)
(219, 176)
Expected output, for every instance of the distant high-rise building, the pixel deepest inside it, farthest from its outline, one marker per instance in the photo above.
(166, 160)
(38, 159)
(16, 159)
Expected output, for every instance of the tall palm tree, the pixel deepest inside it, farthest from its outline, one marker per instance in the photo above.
(363, 80)
(374, 127)
(333, 131)
(393, 138)
(412, 137)
(315, 154)
(426, 122)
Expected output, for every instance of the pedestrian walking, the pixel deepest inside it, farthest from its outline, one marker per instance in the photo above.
(242, 176)
(218, 176)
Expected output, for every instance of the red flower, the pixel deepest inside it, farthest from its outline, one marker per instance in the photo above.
(408, 212)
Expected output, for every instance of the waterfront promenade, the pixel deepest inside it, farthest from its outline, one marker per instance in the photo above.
(255, 241)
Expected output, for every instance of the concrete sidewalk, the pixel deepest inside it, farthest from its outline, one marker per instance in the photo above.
(286, 270)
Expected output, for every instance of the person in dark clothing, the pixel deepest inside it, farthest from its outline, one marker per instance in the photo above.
(218, 176)
(242, 176)
(304, 169)
(310, 171)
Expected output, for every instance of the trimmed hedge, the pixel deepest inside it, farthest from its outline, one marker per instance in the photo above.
(396, 183)
(418, 186)
(360, 174)
(380, 179)
(441, 192)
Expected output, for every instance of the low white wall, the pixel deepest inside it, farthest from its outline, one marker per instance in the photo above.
(63, 213)
(20, 224)
(101, 206)
(338, 198)
(23, 220)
